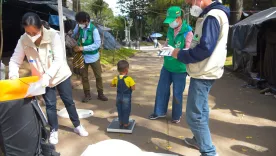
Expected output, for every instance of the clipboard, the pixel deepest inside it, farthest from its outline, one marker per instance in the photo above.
(164, 53)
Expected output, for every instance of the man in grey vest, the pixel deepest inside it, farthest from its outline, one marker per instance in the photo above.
(205, 61)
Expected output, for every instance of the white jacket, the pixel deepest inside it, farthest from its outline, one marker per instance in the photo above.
(48, 58)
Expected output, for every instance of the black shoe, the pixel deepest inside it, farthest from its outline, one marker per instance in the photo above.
(154, 116)
(102, 97)
(87, 97)
(192, 142)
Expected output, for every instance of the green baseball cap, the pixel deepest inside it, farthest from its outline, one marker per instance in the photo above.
(172, 13)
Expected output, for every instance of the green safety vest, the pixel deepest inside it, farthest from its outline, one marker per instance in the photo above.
(170, 63)
(88, 41)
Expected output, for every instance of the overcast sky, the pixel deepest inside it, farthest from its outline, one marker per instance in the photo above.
(113, 5)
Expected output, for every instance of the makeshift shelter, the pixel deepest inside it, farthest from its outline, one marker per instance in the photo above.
(254, 46)
(109, 41)
(22, 122)
(13, 10)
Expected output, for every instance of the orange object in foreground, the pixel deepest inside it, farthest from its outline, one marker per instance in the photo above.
(15, 89)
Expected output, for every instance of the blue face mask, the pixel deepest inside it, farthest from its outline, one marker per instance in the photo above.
(174, 24)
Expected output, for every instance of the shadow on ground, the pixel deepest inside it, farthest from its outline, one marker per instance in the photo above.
(242, 121)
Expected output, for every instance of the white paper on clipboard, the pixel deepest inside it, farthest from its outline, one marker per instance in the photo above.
(165, 53)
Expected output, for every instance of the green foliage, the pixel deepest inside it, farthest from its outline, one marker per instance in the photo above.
(226, 2)
(117, 24)
(137, 11)
(97, 7)
(153, 13)
(229, 61)
(85, 6)
(109, 57)
(98, 10)
(101, 11)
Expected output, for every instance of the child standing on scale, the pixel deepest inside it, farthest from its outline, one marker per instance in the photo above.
(125, 85)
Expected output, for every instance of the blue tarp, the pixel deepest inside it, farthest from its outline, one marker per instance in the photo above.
(110, 42)
(54, 20)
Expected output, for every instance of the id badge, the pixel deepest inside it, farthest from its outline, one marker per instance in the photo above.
(83, 40)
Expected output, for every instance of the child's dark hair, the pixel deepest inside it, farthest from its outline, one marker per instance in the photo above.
(122, 65)
(82, 17)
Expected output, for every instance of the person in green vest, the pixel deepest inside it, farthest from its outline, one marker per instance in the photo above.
(173, 71)
(89, 42)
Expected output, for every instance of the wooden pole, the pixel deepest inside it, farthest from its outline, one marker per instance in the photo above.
(1, 45)
(61, 26)
(1, 29)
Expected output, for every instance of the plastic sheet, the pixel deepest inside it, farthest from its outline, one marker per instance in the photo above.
(254, 45)
(83, 113)
(244, 38)
(109, 42)
(36, 89)
(117, 147)
(19, 130)
(15, 89)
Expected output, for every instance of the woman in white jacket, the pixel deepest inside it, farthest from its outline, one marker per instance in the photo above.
(45, 54)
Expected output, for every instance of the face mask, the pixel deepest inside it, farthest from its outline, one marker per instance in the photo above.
(82, 26)
(34, 38)
(196, 10)
(174, 24)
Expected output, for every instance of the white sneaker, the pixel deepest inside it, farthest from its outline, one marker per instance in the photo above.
(81, 131)
(53, 137)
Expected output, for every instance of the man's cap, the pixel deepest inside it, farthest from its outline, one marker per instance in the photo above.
(172, 13)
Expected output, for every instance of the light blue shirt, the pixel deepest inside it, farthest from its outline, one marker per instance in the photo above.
(94, 46)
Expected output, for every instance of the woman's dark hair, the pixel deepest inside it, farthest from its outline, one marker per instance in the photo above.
(122, 65)
(82, 17)
(33, 19)
(45, 24)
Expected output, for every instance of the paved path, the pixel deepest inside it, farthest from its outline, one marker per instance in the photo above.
(242, 121)
(147, 48)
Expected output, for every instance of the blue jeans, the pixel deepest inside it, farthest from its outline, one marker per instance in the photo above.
(123, 103)
(65, 92)
(197, 114)
(163, 93)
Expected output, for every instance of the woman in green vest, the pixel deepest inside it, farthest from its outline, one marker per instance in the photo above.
(179, 36)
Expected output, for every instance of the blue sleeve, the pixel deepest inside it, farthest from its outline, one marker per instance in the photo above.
(207, 44)
(189, 29)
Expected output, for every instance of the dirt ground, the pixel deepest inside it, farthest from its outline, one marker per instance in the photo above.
(242, 121)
